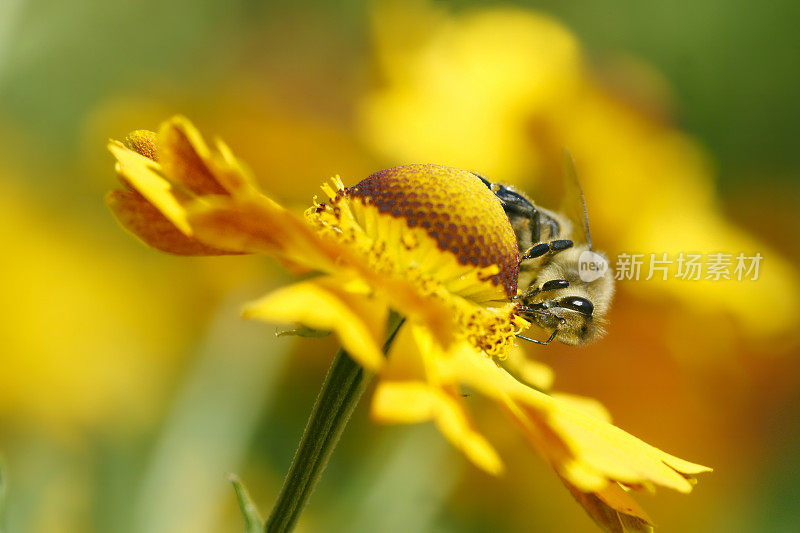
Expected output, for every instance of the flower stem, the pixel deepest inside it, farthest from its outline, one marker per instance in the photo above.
(343, 387)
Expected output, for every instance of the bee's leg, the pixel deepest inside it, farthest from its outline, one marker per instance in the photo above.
(534, 309)
(547, 247)
(551, 285)
(511, 199)
(550, 338)
(543, 343)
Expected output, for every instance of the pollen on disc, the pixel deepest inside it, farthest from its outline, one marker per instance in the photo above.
(455, 208)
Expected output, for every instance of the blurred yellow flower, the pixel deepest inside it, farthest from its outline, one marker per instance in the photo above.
(504, 90)
(68, 303)
(462, 91)
(429, 242)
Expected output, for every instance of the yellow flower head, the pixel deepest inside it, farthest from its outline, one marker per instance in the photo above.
(441, 229)
(429, 242)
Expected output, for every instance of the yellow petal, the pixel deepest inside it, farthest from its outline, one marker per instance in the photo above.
(406, 395)
(453, 421)
(173, 201)
(582, 448)
(257, 224)
(406, 362)
(168, 171)
(141, 218)
(403, 395)
(185, 157)
(143, 174)
(323, 303)
(254, 223)
(614, 453)
(536, 374)
(402, 402)
(589, 406)
(232, 174)
(412, 402)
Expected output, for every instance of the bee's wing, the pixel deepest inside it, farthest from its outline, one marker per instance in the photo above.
(574, 203)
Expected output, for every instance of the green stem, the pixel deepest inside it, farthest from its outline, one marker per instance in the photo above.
(343, 387)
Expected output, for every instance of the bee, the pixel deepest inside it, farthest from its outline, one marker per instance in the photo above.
(564, 286)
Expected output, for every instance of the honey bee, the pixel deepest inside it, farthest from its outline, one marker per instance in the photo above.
(564, 286)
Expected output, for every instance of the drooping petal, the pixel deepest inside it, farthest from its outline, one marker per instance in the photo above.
(140, 217)
(405, 395)
(614, 454)
(325, 303)
(406, 363)
(454, 422)
(587, 451)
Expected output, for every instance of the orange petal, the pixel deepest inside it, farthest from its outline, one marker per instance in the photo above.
(260, 225)
(172, 199)
(257, 224)
(185, 157)
(141, 218)
(231, 173)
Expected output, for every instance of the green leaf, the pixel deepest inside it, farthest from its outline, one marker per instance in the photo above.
(252, 518)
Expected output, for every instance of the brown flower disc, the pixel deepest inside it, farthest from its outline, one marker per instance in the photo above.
(454, 207)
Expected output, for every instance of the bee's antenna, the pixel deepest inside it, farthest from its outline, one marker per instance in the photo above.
(575, 191)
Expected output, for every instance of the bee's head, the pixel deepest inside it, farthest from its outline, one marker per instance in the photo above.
(573, 317)
(567, 302)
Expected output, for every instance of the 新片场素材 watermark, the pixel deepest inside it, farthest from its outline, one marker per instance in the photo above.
(715, 266)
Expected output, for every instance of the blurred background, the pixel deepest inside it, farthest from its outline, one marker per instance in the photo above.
(129, 387)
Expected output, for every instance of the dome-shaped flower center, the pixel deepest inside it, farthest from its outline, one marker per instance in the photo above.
(454, 208)
(443, 235)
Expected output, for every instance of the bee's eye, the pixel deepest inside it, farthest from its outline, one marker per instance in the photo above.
(576, 303)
